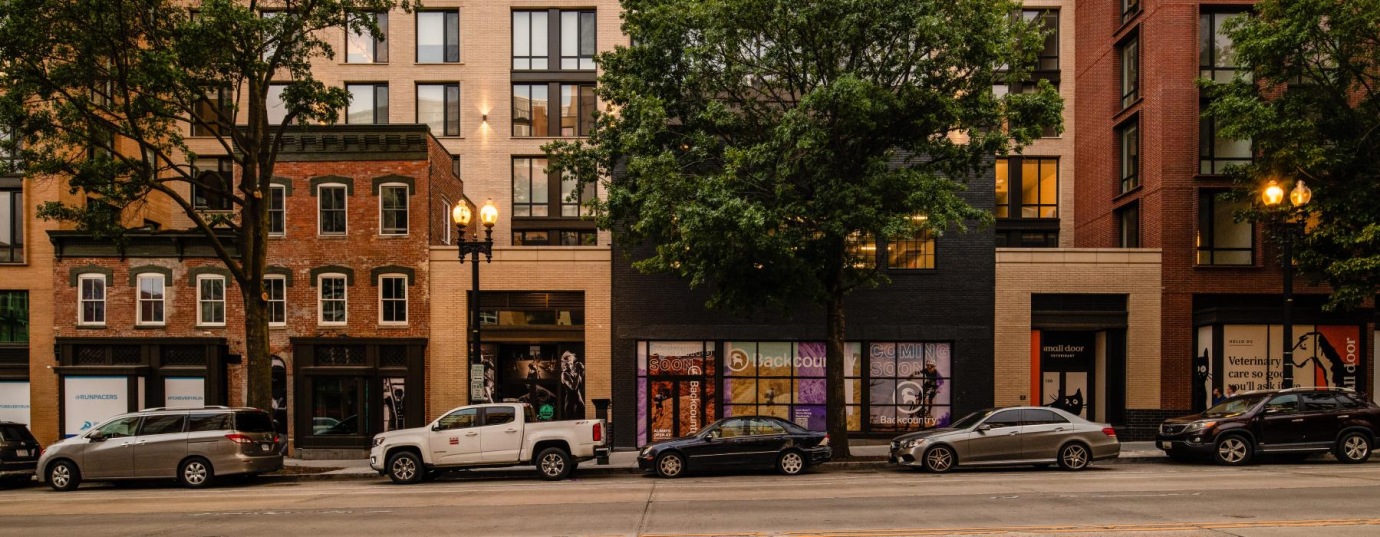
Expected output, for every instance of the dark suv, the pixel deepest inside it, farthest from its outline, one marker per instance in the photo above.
(1295, 421)
(18, 454)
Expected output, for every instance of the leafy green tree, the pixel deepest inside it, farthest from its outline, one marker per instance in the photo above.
(1311, 106)
(756, 143)
(102, 94)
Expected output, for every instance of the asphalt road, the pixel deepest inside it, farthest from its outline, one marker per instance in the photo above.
(1322, 498)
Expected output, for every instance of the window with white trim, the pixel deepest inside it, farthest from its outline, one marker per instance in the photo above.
(393, 209)
(445, 225)
(277, 210)
(276, 289)
(152, 295)
(332, 292)
(210, 300)
(330, 200)
(91, 299)
(393, 299)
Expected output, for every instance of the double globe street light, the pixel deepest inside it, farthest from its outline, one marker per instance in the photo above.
(1273, 196)
(472, 246)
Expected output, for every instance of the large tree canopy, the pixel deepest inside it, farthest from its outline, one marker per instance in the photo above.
(102, 94)
(1311, 107)
(755, 142)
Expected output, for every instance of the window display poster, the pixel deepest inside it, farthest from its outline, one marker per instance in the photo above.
(87, 401)
(572, 394)
(184, 392)
(1244, 355)
(14, 401)
(1323, 356)
(394, 394)
(1066, 390)
(909, 386)
(677, 390)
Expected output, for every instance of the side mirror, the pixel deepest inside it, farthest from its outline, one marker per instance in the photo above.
(984, 428)
(436, 426)
(96, 436)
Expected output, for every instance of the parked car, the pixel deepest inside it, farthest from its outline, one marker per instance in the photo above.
(739, 442)
(487, 435)
(18, 454)
(194, 446)
(1295, 421)
(1038, 436)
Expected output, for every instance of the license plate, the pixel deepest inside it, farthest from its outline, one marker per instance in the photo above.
(21, 453)
(267, 447)
(1166, 445)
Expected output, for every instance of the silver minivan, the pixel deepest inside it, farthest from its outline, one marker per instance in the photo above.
(193, 446)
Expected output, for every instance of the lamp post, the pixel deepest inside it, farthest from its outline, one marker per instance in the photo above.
(472, 247)
(1273, 196)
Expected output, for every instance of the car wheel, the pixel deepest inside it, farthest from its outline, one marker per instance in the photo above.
(670, 465)
(1353, 448)
(939, 459)
(64, 476)
(554, 464)
(405, 468)
(1233, 450)
(790, 463)
(1074, 457)
(195, 473)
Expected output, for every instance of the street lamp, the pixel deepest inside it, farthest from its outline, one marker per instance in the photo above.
(1273, 196)
(488, 215)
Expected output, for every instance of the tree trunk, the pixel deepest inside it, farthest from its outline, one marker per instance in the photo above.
(258, 354)
(834, 363)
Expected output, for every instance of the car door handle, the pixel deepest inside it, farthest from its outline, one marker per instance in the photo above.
(1296, 420)
(1058, 429)
(1013, 433)
(510, 430)
(1343, 416)
(471, 434)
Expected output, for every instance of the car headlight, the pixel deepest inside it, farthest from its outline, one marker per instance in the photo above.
(912, 444)
(1199, 425)
(645, 451)
(378, 440)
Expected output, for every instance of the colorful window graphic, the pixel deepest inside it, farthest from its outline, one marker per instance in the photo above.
(908, 386)
(779, 379)
(675, 386)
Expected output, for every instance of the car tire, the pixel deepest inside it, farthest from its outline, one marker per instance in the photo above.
(405, 468)
(1232, 450)
(195, 473)
(554, 464)
(1074, 457)
(1353, 448)
(64, 476)
(940, 459)
(791, 462)
(670, 465)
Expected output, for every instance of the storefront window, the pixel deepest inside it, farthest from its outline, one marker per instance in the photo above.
(675, 388)
(908, 387)
(337, 405)
(779, 379)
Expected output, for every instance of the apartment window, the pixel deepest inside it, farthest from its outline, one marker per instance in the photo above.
(14, 316)
(577, 40)
(276, 107)
(438, 36)
(1048, 59)
(1128, 229)
(213, 188)
(1003, 189)
(1216, 55)
(277, 210)
(276, 289)
(1222, 240)
(215, 114)
(574, 196)
(445, 224)
(368, 104)
(1039, 188)
(917, 253)
(393, 209)
(393, 299)
(530, 187)
(1129, 137)
(577, 109)
(530, 116)
(151, 299)
(331, 303)
(530, 46)
(1129, 8)
(10, 148)
(531, 238)
(548, 209)
(1217, 152)
(438, 106)
(862, 250)
(579, 238)
(455, 166)
(11, 220)
(362, 47)
(210, 300)
(1027, 202)
(1130, 71)
(91, 299)
(330, 201)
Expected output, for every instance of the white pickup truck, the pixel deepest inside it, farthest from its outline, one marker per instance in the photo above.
(503, 434)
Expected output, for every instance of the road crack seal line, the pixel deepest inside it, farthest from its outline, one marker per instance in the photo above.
(642, 521)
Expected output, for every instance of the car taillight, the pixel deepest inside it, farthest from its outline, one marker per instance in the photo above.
(1109, 431)
(239, 438)
(598, 432)
(825, 442)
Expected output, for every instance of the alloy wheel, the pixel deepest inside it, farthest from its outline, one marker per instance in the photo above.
(792, 463)
(1232, 450)
(939, 459)
(670, 466)
(404, 469)
(552, 464)
(61, 476)
(1356, 447)
(1075, 457)
(195, 473)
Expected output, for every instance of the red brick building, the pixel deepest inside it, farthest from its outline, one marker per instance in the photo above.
(157, 321)
(1151, 175)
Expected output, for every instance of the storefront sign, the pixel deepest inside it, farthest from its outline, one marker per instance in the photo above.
(1323, 356)
(87, 401)
(14, 402)
(184, 392)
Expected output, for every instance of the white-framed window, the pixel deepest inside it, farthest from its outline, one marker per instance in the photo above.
(393, 209)
(152, 295)
(392, 299)
(277, 210)
(330, 215)
(210, 300)
(91, 299)
(332, 300)
(276, 289)
(445, 225)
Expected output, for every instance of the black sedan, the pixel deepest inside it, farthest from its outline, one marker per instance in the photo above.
(739, 442)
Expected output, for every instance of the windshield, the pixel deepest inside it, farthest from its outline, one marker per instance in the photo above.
(970, 420)
(1234, 406)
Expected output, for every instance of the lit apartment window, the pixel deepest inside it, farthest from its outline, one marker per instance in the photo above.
(91, 299)
(1130, 71)
(1222, 240)
(368, 104)
(393, 209)
(393, 299)
(331, 302)
(1216, 56)
(363, 47)
(438, 37)
(538, 194)
(210, 299)
(151, 289)
(1128, 137)
(276, 288)
(1027, 202)
(330, 199)
(917, 253)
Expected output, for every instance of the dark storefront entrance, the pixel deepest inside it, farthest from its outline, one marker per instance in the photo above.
(348, 390)
(534, 351)
(1078, 354)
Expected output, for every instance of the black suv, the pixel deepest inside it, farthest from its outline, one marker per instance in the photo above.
(18, 454)
(1294, 421)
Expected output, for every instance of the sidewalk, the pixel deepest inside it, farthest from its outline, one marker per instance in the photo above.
(866, 455)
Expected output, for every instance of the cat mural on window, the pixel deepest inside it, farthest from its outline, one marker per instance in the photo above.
(1073, 404)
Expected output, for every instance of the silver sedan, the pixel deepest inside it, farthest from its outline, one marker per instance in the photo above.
(1038, 436)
